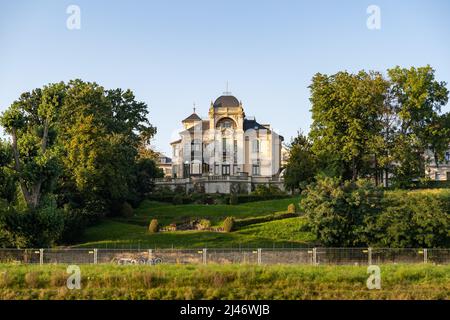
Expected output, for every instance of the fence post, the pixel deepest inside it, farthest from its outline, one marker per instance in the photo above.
(369, 256)
(314, 257)
(425, 255)
(259, 256)
(95, 256)
(204, 255)
(41, 256)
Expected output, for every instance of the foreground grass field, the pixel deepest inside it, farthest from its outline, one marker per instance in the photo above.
(224, 282)
(132, 232)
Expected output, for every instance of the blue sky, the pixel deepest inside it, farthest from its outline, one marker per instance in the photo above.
(175, 53)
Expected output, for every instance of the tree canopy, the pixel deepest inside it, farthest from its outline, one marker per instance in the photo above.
(78, 144)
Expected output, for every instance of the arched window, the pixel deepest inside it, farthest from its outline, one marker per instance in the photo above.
(226, 123)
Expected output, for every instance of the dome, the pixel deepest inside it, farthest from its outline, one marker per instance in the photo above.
(226, 102)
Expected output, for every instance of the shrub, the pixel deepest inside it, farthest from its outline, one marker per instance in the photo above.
(260, 219)
(414, 219)
(342, 213)
(291, 208)
(228, 224)
(177, 199)
(234, 199)
(204, 224)
(271, 190)
(126, 210)
(41, 227)
(154, 226)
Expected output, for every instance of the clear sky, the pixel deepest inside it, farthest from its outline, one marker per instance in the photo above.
(174, 53)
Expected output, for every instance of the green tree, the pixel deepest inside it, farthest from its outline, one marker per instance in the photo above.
(346, 112)
(101, 132)
(417, 101)
(80, 143)
(342, 213)
(413, 220)
(31, 123)
(7, 176)
(302, 163)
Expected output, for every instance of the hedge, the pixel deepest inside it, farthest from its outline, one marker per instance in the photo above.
(203, 198)
(272, 217)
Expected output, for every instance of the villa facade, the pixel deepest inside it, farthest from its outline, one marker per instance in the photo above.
(227, 152)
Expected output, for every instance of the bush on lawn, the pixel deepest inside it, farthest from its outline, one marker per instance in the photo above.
(126, 210)
(204, 224)
(291, 208)
(234, 199)
(228, 224)
(154, 226)
(177, 199)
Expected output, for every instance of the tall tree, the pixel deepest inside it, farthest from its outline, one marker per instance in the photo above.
(302, 163)
(31, 123)
(346, 124)
(418, 99)
(101, 132)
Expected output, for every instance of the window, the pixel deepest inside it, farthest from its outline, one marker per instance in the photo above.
(186, 170)
(447, 156)
(437, 176)
(216, 169)
(225, 149)
(195, 168)
(256, 168)
(255, 146)
(196, 150)
(197, 147)
(225, 124)
(225, 169)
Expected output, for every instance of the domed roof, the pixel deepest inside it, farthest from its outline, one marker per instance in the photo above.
(226, 101)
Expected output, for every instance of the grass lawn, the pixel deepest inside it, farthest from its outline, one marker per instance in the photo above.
(132, 232)
(168, 213)
(224, 282)
(281, 233)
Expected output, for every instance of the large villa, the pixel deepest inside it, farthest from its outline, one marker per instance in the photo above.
(227, 152)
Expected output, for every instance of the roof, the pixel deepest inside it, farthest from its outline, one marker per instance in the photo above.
(226, 101)
(192, 117)
(176, 141)
(253, 124)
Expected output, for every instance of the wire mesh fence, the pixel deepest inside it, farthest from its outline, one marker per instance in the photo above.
(304, 256)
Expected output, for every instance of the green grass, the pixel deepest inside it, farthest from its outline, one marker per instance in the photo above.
(132, 232)
(168, 213)
(224, 282)
(281, 233)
